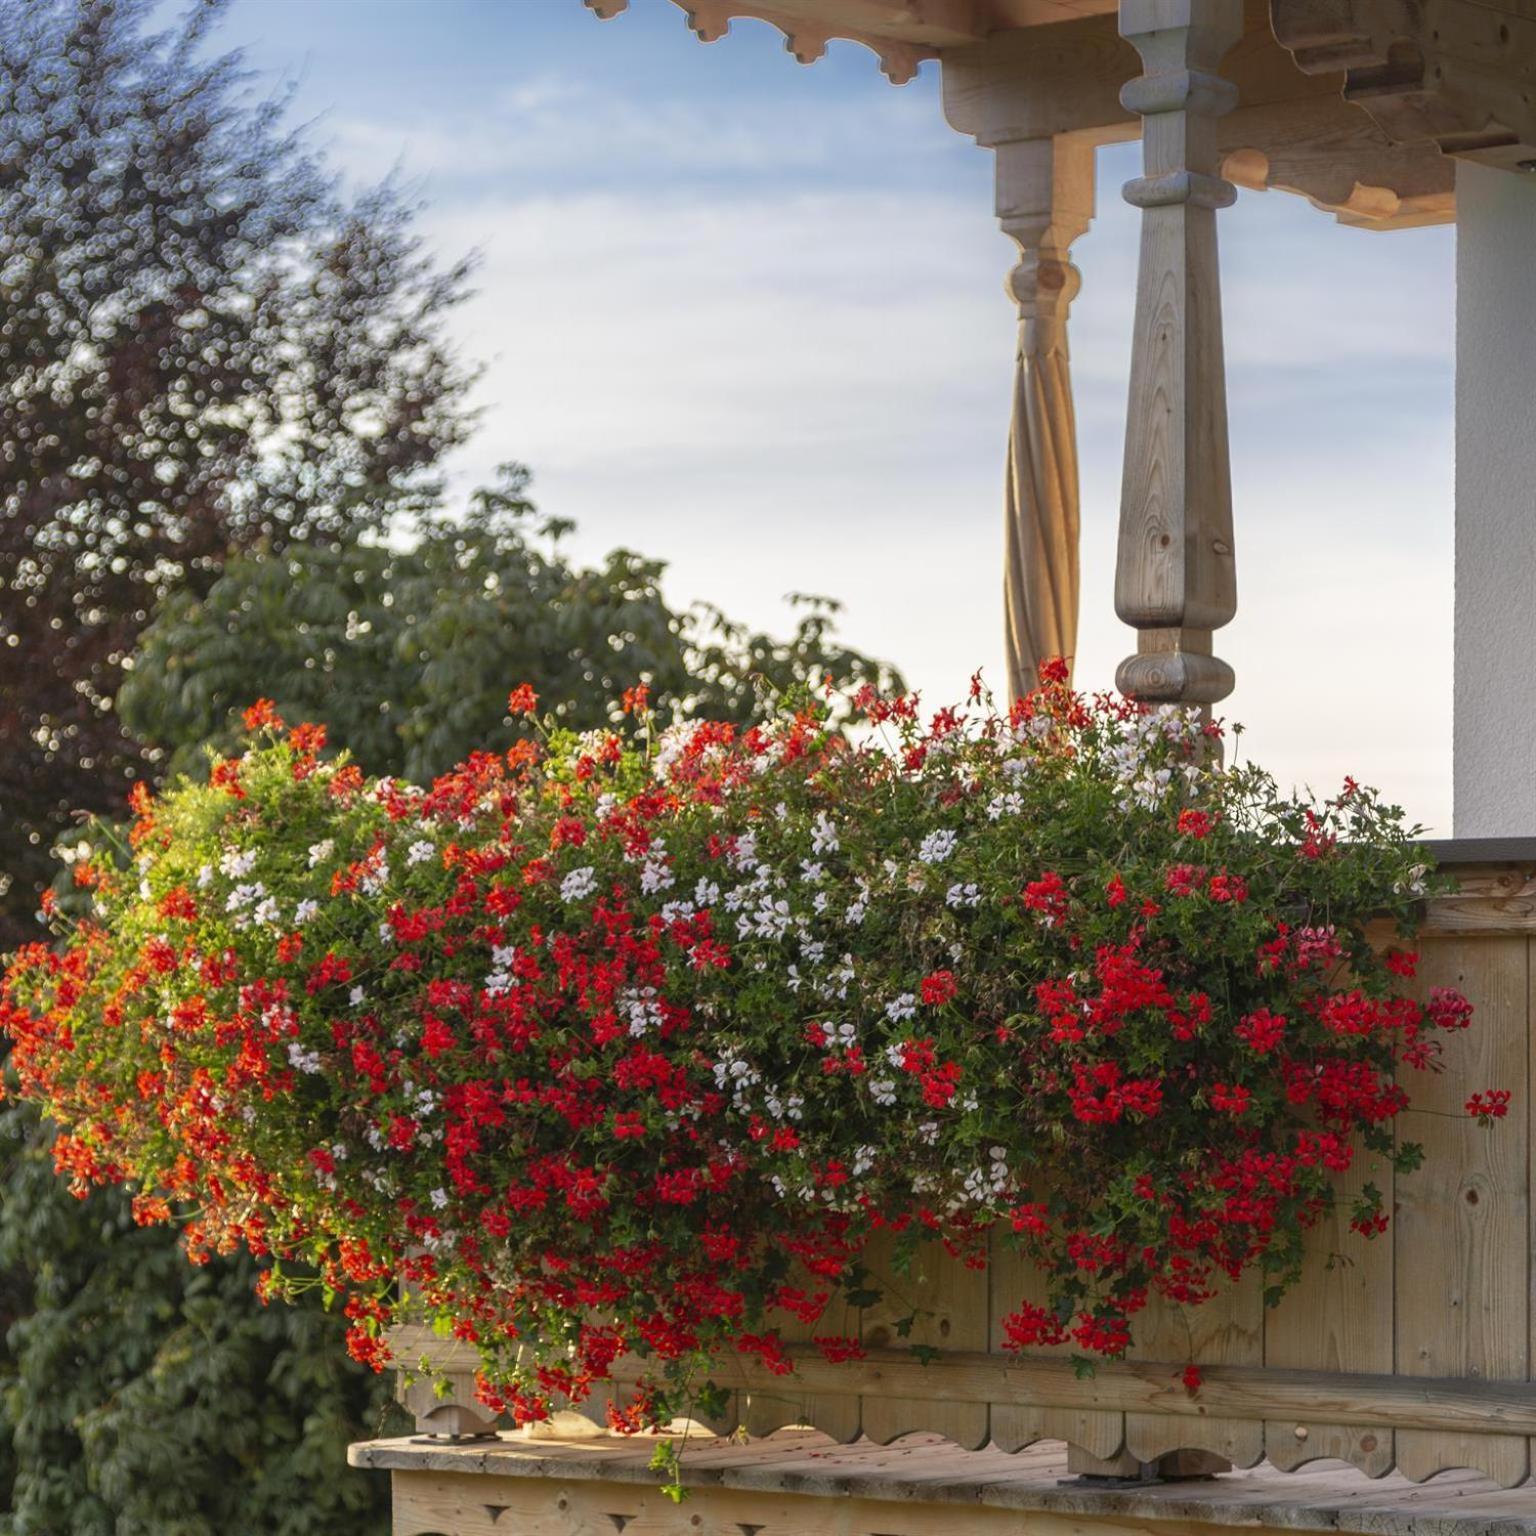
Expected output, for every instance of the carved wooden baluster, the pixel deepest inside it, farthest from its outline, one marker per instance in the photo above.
(1175, 580)
(1044, 202)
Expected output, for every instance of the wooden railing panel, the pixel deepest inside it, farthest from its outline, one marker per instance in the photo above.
(947, 1305)
(1337, 1318)
(786, 1400)
(1096, 1434)
(1227, 1330)
(1463, 1220)
(1412, 1350)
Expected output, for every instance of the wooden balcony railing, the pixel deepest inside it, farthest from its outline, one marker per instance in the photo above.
(1409, 1352)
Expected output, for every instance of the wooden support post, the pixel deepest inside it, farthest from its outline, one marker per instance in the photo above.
(1175, 580)
(1044, 202)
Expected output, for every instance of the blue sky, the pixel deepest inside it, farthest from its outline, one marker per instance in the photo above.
(748, 316)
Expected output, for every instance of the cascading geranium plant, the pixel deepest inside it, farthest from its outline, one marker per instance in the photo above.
(630, 1043)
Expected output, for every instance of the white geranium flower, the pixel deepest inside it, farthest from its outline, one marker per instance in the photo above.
(938, 846)
(823, 834)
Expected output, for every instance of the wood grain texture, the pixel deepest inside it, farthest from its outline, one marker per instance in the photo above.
(1044, 203)
(1016, 1421)
(1336, 1319)
(798, 1483)
(946, 1303)
(1453, 1406)
(1458, 73)
(1462, 1227)
(1490, 900)
(1291, 131)
(1227, 1330)
(1175, 573)
(779, 1401)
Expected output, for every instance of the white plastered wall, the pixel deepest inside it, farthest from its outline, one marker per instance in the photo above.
(1495, 665)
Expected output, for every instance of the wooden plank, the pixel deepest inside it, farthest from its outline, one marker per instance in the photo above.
(1466, 1406)
(448, 1504)
(1487, 901)
(947, 1303)
(1462, 1231)
(1337, 1318)
(449, 1409)
(1094, 1432)
(1227, 1330)
(917, 1488)
(1470, 90)
(787, 1400)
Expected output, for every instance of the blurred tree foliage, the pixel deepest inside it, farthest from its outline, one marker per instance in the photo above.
(206, 344)
(142, 1397)
(407, 654)
(139, 1395)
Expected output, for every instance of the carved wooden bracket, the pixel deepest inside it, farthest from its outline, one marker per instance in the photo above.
(1175, 579)
(1461, 73)
(1290, 131)
(900, 33)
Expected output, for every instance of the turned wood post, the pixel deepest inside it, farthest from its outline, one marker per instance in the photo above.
(1044, 202)
(1175, 580)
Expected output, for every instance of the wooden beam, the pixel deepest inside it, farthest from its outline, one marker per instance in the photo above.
(1290, 131)
(1451, 1405)
(1457, 1405)
(1458, 74)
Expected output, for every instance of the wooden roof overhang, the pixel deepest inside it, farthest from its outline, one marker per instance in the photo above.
(1362, 106)
(1357, 104)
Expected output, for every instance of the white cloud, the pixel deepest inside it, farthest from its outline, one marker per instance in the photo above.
(558, 127)
(709, 352)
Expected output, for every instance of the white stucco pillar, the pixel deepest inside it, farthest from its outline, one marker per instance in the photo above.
(1495, 671)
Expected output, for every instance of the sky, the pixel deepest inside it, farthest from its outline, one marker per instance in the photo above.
(747, 316)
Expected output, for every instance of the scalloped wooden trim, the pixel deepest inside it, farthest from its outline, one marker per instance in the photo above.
(806, 40)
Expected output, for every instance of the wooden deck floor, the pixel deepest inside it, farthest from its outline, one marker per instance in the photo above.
(921, 1485)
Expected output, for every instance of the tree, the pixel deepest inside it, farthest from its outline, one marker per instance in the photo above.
(206, 345)
(407, 654)
(142, 1397)
(187, 1409)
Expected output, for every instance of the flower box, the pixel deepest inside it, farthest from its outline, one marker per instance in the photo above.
(995, 1080)
(1410, 1354)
